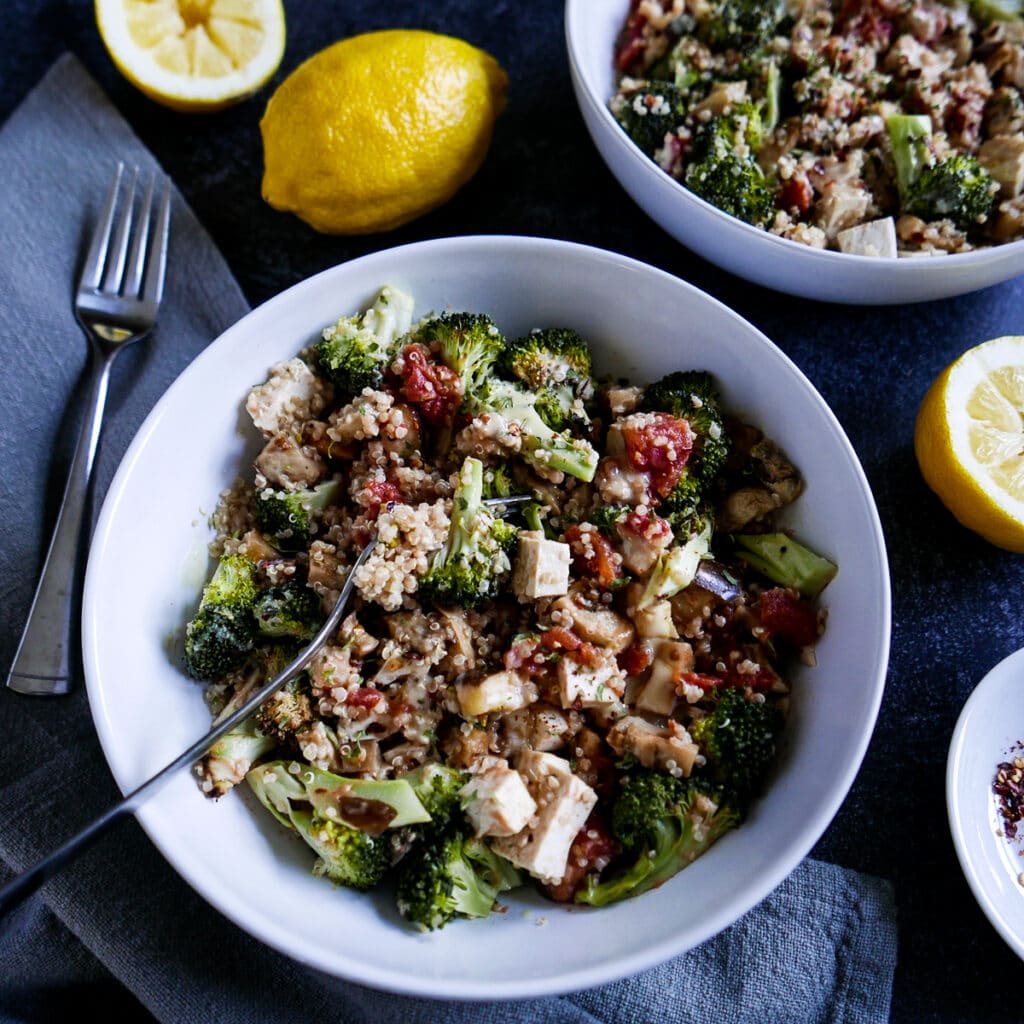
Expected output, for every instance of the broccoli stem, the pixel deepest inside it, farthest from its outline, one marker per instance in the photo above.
(787, 562)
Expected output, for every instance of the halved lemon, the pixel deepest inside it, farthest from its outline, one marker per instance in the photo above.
(969, 440)
(194, 55)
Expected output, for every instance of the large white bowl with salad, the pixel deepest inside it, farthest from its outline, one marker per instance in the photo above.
(868, 153)
(584, 658)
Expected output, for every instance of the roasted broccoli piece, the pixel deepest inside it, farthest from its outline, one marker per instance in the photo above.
(691, 395)
(448, 875)
(786, 561)
(542, 447)
(664, 823)
(286, 712)
(555, 365)
(474, 563)
(222, 631)
(288, 517)
(650, 112)
(737, 739)
(289, 610)
(355, 351)
(228, 760)
(956, 188)
(343, 820)
(741, 24)
(469, 344)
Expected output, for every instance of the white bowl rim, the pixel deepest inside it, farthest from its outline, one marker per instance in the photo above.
(905, 267)
(393, 979)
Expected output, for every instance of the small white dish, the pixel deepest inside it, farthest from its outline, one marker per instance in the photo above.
(988, 732)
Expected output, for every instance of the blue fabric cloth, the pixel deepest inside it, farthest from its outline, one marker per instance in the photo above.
(119, 926)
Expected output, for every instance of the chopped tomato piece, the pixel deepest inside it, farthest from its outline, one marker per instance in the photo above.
(633, 660)
(384, 493)
(787, 615)
(432, 386)
(659, 445)
(593, 555)
(364, 697)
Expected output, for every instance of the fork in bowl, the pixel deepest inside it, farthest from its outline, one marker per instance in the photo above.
(115, 303)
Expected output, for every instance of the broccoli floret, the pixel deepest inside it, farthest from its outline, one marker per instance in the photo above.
(348, 856)
(542, 447)
(606, 517)
(447, 875)
(786, 561)
(650, 112)
(664, 823)
(355, 351)
(228, 760)
(555, 365)
(286, 712)
(735, 184)
(957, 188)
(289, 610)
(474, 562)
(469, 344)
(741, 24)
(437, 787)
(222, 631)
(691, 395)
(287, 517)
(322, 808)
(498, 482)
(737, 739)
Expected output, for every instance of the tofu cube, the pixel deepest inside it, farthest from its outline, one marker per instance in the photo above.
(876, 238)
(564, 802)
(1003, 158)
(584, 685)
(508, 690)
(671, 661)
(542, 567)
(497, 801)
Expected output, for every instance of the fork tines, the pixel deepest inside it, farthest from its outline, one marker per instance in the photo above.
(120, 260)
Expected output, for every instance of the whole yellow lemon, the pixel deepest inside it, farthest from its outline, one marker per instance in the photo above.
(378, 129)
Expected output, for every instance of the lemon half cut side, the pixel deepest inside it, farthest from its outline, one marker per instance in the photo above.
(969, 440)
(194, 55)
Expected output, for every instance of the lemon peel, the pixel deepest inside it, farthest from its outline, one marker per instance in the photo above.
(194, 55)
(969, 440)
(379, 129)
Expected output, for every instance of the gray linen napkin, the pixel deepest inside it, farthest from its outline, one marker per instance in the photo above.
(821, 948)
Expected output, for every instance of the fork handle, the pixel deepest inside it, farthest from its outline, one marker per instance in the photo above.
(42, 664)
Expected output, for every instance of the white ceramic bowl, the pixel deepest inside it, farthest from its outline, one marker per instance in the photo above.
(641, 322)
(591, 27)
(988, 732)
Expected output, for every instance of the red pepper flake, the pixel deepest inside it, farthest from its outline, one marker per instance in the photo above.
(1009, 787)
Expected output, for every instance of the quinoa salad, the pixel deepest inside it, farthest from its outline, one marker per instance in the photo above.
(873, 127)
(565, 662)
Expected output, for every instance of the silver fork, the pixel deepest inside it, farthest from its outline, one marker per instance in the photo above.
(116, 303)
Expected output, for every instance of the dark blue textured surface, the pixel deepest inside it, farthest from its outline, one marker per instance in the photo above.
(956, 599)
